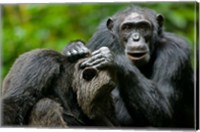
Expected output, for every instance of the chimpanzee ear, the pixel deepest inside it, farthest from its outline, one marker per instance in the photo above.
(160, 20)
(109, 23)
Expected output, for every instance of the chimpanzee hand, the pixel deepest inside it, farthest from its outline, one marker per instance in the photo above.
(76, 50)
(101, 58)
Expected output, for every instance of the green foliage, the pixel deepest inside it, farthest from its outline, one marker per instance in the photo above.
(31, 26)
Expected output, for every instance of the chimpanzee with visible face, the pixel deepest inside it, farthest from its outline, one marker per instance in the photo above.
(154, 72)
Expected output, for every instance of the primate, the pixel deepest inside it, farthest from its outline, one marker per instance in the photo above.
(47, 89)
(93, 88)
(154, 73)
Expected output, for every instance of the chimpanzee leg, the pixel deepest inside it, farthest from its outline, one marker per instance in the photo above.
(47, 113)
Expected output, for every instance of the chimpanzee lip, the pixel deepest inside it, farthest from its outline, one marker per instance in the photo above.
(137, 55)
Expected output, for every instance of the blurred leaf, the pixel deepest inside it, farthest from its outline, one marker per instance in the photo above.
(30, 26)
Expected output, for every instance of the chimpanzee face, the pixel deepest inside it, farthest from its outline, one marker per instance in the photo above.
(135, 33)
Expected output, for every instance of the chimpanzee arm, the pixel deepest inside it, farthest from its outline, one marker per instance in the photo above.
(144, 101)
(137, 91)
(29, 79)
(160, 97)
(155, 100)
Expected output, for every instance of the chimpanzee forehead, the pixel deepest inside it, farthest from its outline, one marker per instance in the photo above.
(134, 16)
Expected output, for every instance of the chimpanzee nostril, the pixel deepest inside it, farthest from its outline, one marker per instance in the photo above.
(89, 73)
(136, 37)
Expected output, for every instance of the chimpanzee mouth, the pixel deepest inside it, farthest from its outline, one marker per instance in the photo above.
(137, 55)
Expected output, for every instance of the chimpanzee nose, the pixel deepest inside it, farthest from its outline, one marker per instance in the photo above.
(136, 36)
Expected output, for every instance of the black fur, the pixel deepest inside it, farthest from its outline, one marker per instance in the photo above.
(35, 75)
(45, 89)
(159, 93)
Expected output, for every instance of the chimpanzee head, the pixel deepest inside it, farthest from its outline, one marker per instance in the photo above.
(93, 88)
(137, 31)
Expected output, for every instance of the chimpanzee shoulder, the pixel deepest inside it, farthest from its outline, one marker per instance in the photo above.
(156, 66)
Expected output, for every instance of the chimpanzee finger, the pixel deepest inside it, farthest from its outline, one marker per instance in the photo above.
(80, 43)
(96, 52)
(96, 62)
(80, 50)
(83, 51)
(102, 50)
(103, 64)
(86, 50)
(91, 63)
(73, 52)
(68, 54)
(72, 55)
(87, 62)
(82, 46)
(94, 58)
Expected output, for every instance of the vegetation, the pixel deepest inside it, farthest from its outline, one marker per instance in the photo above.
(31, 26)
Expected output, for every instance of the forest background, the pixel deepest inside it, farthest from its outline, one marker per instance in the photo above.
(30, 26)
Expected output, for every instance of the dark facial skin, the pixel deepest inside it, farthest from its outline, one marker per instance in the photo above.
(135, 33)
(150, 92)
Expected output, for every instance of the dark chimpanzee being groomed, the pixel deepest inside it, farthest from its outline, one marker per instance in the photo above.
(154, 72)
(44, 88)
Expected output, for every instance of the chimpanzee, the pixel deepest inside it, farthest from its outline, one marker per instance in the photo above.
(93, 88)
(154, 73)
(47, 89)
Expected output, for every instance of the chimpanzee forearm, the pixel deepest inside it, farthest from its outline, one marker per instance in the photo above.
(141, 93)
(154, 69)
(137, 91)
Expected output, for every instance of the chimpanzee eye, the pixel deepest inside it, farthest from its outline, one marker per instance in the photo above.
(144, 27)
(127, 26)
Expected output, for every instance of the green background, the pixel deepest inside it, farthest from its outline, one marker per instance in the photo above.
(30, 26)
